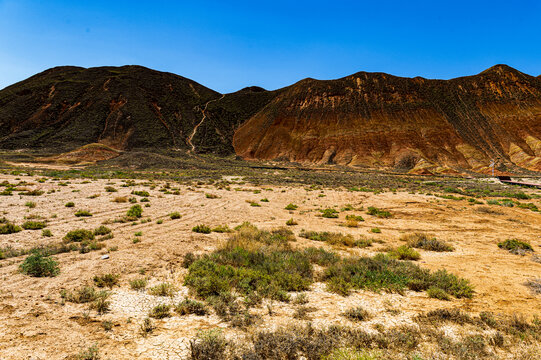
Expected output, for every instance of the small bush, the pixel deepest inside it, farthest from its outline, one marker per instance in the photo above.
(423, 241)
(138, 284)
(46, 233)
(163, 289)
(35, 192)
(208, 345)
(515, 246)
(101, 304)
(40, 264)
(102, 230)
(291, 222)
(120, 199)
(33, 225)
(329, 237)
(70, 204)
(354, 217)
(110, 189)
(92, 353)
(160, 311)
(375, 230)
(146, 327)
(83, 213)
(222, 229)
(175, 215)
(211, 196)
(30, 204)
(378, 212)
(437, 293)
(202, 229)
(9, 228)
(141, 193)
(404, 253)
(188, 306)
(106, 280)
(291, 206)
(356, 314)
(78, 235)
(84, 294)
(329, 213)
(136, 211)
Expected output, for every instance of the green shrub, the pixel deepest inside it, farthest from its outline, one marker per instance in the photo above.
(437, 293)
(356, 314)
(83, 213)
(202, 228)
(136, 211)
(329, 213)
(30, 204)
(141, 193)
(102, 230)
(222, 229)
(320, 256)
(92, 353)
(70, 204)
(188, 306)
(515, 246)
(163, 289)
(384, 273)
(291, 222)
(404, 253)
(208, 345)
(40, 264)
(211, 196)
(378, 212)
(375, 230)
(78, 235)
(138, 284)
(252, 260)
(354, 217)
(160, 311)
(175, 215)
(423, 241)
(106, 280)
(46, 233)
(291, 206)
(329, 237)
(35, 192)
(33, 225)
(9, 228)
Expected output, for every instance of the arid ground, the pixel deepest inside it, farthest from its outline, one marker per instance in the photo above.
(38, 320)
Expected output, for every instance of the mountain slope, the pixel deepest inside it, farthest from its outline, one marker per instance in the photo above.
(124, 107)
(378, 119)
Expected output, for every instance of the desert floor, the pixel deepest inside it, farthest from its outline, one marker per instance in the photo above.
(35, 323)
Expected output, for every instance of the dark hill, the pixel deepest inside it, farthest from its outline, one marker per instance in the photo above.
(124, 107)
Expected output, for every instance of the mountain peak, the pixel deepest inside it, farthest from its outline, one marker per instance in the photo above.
(500, 69)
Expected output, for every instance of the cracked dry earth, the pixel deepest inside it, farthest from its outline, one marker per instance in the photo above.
(36, 324)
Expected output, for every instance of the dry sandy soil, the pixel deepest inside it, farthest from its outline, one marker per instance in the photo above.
(36, 324)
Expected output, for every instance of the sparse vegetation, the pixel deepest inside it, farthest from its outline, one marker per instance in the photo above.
(40, 264)
(404, 252)
(202, 229)
(70, 204)
(175, 215)
(188, 306)
(9, 228)
(106, 280)
(83, 213)
(79, 235)
(426, 242)
(138, 284)
(374, 211)
(163, 289)
(291, 206)
(33, 225)
(329, 213)
(291, 222)
(356, 314)
(515, 246)
(135, 212)
(160, 311)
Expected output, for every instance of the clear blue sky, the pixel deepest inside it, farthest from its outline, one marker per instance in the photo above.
(227, 45)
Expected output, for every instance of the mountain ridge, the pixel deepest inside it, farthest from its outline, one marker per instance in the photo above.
(362, 119)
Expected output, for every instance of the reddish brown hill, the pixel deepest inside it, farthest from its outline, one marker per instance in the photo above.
(378, 119)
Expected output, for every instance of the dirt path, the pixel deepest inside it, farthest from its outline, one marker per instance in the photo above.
(203, 111)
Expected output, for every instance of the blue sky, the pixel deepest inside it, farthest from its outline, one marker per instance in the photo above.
(227, 45)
